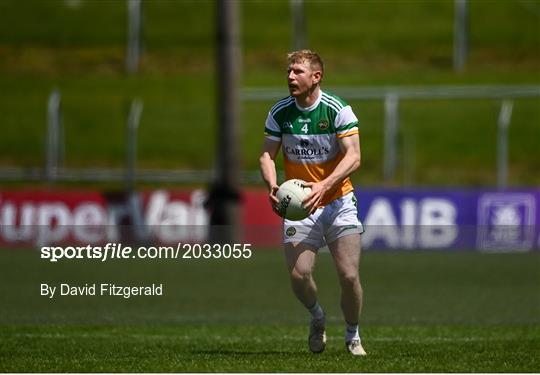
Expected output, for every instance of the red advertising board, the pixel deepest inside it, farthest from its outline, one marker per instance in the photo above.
(30, 218)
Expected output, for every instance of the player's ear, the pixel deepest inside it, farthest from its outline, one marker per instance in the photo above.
(317, 76)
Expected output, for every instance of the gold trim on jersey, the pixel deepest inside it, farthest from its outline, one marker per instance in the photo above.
(346, 134)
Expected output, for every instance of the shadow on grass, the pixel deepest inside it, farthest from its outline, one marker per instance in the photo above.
(240, 352)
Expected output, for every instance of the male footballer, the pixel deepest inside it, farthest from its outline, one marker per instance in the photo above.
(318, 134)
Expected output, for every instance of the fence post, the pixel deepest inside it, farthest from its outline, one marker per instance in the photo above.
(133, 120)
(299, 40)
(134, 35)
(391, 124)
(503, 122)
(461, 34)
(54, 147)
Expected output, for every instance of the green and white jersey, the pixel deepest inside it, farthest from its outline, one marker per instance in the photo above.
(309, 136)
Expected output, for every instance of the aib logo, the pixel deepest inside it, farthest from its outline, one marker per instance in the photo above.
(506, 221)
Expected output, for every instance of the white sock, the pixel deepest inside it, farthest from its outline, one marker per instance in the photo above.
(352, 332)
(316, 311)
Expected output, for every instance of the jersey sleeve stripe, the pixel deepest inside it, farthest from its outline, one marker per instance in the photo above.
(271, 137)
(331, 105)
(329, 99)
(280, 105)
(281, 101)
(277, 109)
(272, 132)
(347, 133)
(333, 100)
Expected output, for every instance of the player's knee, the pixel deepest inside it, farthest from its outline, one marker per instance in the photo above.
(350, 279)
(300, 274)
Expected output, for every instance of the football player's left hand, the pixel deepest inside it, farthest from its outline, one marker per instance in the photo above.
(312, 201)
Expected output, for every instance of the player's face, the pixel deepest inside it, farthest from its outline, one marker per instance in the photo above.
(301, 78)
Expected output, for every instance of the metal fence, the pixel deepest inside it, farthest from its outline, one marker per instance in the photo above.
(391, 95)
(53, 171)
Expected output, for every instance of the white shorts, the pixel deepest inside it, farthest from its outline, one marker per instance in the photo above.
(337, 219)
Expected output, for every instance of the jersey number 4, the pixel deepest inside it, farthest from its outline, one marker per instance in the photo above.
(305, 128)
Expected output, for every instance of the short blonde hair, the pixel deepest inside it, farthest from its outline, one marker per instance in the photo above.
(300, 56)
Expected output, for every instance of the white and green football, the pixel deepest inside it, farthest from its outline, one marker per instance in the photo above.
(291, 194)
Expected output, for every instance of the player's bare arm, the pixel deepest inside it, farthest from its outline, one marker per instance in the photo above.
(268, 168)
(350, 147)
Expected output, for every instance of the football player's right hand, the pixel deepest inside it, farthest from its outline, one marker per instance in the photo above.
(273, 199)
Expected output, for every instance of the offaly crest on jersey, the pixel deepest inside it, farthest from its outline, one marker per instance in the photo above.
(323, 124)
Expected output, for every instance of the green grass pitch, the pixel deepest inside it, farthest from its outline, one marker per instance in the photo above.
(423, 312)
(267, 348)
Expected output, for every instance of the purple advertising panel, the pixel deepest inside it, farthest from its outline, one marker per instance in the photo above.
(487, 220)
